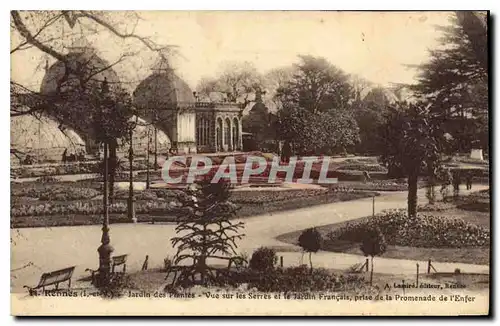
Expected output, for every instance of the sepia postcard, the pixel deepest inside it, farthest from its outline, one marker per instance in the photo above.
(232, 163)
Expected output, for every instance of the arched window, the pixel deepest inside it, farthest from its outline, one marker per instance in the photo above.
(219, 135)
(227, 133)
(236, 134)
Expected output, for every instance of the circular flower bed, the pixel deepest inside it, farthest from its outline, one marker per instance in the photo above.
(426, 230)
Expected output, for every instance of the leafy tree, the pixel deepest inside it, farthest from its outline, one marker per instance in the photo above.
(316, 115)
(260, 122)
(369, 114)
(317, 133)
(263, 259)
(455, 81)
(317, 86)
(310, 241)
(374, 244)
(205, 230)
(475, 26)
(412, 140)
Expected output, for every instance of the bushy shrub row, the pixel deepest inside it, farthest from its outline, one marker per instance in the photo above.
(476, 201)
(263, 275)
(86, 208)
(62, 192)
(75, 168)
(62, 169)
(436, 207)
(425, 230)
(296, 279)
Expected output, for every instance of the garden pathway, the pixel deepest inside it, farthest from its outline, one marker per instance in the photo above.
(48, 249)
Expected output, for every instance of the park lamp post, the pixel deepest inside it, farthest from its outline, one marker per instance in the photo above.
(131, 197)
(105, 249)
(147, 159)
(156, 140)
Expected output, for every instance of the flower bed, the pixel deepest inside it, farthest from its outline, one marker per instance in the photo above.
(268, 196)
(147, 194)
(50, 191)
(363, 167)
(93, 207)
(426, 230)
(78, 219)
(476, 201)
(375, 185)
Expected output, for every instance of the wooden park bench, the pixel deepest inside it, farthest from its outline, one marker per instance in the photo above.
(119, 261)
(53, 278)
(116, 261)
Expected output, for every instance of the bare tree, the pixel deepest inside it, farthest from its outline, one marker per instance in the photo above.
(237, 80)
(276, 79)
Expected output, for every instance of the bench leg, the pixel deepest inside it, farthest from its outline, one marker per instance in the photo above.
(124, 268)
(69, 284)
(57, 286)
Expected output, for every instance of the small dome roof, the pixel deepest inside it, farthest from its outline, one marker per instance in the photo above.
(164, 89)
(96, 68)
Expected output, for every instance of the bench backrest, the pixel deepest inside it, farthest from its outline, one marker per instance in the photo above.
(56, 276)
(119, 260)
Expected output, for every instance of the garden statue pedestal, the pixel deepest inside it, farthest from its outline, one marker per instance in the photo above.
(477, 154)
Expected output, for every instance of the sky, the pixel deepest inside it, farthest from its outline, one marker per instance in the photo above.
(373, 45)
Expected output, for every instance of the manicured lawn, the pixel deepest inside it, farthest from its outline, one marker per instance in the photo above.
(474, 255)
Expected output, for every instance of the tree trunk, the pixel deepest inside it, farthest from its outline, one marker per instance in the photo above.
(412, 194)
(310, 261)
(371, 274)
(431, 183)
(203, 258)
